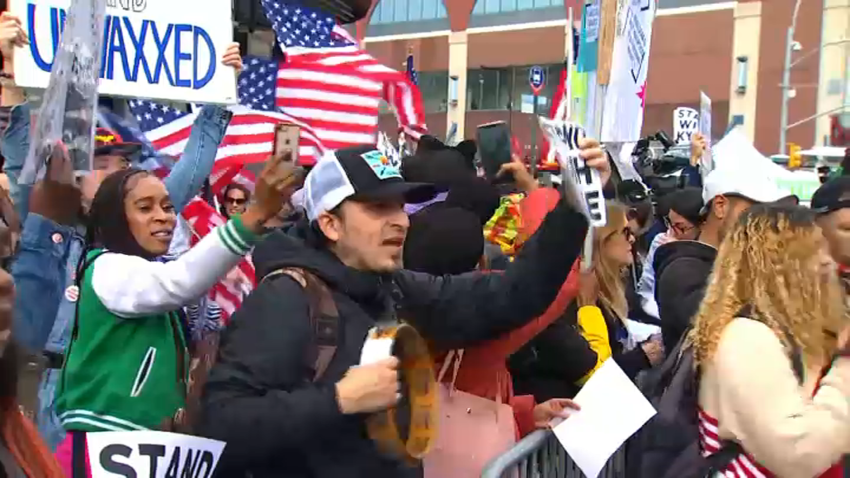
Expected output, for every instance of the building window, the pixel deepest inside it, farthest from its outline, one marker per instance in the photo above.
(505, 12)
(399, 11)
(508, 89)
(434, 87)
(485, 7)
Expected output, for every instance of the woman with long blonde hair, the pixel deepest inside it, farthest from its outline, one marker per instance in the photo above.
(593, 328)
(772, 378)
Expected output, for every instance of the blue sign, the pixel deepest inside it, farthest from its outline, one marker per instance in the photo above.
(537, 78)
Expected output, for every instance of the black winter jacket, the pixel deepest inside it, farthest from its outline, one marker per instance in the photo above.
(682, 269)
(260, 398)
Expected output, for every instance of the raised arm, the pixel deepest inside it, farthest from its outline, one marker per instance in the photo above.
(187, 178)
(131, 286)
(455, 311)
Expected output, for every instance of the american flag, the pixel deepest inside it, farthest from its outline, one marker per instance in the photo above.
(330, 83)
(412, 74)
(228, 292)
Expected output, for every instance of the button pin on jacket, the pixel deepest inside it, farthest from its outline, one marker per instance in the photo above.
(72, 293)
(57, 238)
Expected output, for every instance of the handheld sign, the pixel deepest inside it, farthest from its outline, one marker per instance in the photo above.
(581, 184)
(66, 119)
(706, 164)
(156, 49)
(537, 79)
(685, 124)
(152, 454)
(564, 137)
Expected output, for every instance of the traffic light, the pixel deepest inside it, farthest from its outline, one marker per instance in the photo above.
(795, 159)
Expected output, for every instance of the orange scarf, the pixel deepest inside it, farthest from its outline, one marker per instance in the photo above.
(27, 447)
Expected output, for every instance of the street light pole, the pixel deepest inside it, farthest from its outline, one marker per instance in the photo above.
(786, 78)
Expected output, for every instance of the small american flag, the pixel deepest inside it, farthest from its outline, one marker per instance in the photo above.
(412, 74)
(330, 83)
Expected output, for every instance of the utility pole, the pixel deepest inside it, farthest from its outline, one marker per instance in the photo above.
(786, 78)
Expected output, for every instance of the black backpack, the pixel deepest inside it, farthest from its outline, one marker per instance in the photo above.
(668, 446)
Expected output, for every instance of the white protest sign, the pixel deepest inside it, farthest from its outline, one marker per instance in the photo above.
(563, 137)
(626, 96)
(706, 164)
(156, 49)
(685, 124)
(591, 22)
(152, 454)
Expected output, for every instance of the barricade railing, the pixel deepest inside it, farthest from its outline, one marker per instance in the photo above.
(540, 455)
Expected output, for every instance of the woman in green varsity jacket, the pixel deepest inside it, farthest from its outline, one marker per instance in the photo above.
(126, 366)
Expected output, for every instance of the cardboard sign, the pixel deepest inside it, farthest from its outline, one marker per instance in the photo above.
(156, 49)
(685, 124)
(152, 454)
(586, 185)
(706, 163)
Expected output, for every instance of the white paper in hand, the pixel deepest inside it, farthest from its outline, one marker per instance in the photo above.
(612, 410)
(153, 454)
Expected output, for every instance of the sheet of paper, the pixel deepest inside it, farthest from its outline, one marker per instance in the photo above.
(612, 410)
(152, 454)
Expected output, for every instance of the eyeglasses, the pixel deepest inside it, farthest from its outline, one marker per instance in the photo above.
(235, 201)
(625, 232)
(677, 227)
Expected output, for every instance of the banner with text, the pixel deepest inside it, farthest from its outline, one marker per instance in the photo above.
(622, 116)
(155, 49)
(152, 454)
(685, 124)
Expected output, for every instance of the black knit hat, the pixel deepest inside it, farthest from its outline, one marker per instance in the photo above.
(443, 240)
(687, 202)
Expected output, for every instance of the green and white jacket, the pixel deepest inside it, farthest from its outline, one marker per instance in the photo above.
(126, 366)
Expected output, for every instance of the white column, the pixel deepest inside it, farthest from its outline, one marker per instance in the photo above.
(833, 81)
(746, 43)
(458, 49)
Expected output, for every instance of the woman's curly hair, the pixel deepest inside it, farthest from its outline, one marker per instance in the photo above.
(770, 261)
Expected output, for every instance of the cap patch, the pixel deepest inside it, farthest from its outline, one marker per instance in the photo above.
(382, 165)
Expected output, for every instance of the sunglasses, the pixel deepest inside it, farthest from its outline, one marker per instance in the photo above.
(236, 201)
(626, 232)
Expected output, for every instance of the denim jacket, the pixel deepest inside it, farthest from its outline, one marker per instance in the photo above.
(49, 252)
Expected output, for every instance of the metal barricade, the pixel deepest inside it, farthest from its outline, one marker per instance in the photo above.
(540, 455)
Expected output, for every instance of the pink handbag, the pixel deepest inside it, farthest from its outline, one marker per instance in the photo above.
(471, 432)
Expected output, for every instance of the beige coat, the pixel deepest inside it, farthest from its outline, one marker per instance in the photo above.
(750, 387)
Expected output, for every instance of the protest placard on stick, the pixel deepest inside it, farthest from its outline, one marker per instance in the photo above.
(67, 113)
(152, 454)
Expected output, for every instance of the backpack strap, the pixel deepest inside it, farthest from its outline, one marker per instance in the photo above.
(324, 315)
(718, 461)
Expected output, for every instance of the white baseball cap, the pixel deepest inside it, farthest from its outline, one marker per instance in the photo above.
(741, 182)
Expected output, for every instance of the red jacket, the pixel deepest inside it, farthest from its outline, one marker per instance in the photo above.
(484, 370)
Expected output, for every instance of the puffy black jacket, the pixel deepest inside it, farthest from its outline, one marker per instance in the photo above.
(260, 398)
(682, 269)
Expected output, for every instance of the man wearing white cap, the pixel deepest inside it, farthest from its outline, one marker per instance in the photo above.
(682, 267)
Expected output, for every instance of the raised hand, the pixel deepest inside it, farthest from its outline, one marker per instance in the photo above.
(275, 185)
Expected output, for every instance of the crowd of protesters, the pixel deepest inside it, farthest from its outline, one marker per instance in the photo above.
(100, 293)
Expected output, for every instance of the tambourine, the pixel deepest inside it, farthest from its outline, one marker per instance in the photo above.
(419, 393)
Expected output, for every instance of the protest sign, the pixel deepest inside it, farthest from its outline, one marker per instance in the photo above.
(586, 185)
(156, 49)
(65, 125)
(152, 454)
(626, 96)
(685, 124)
(706, 164)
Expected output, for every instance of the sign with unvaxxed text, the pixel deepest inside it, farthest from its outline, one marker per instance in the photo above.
(151, 454)
(160, 49)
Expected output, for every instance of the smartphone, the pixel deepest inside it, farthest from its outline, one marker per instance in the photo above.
(494, 147)
(286, 138)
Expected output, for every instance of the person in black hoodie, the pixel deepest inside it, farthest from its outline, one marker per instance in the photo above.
(682, 268)
(260, 397)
